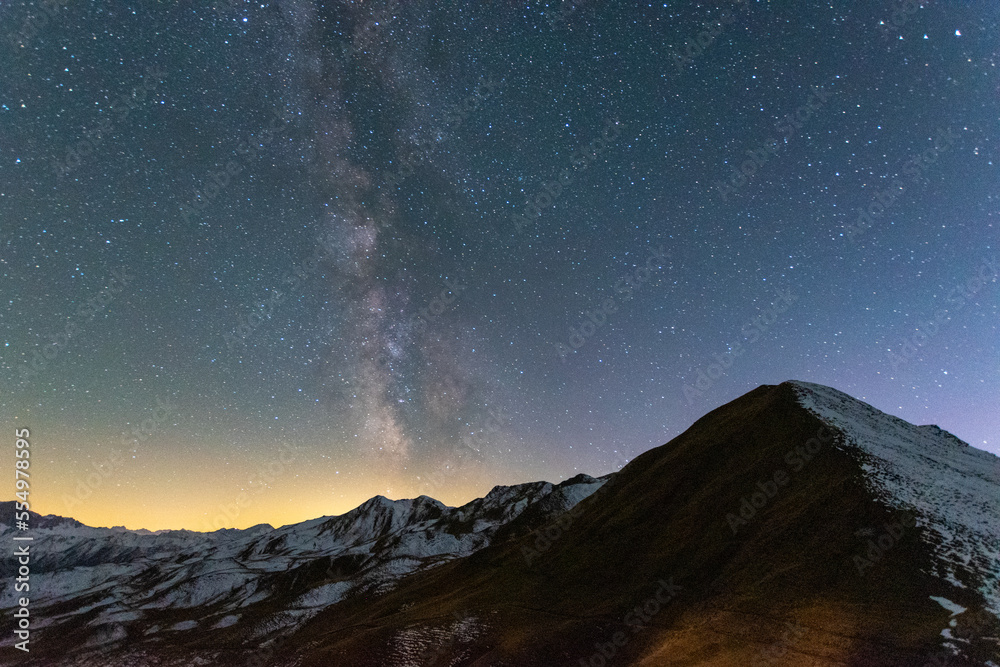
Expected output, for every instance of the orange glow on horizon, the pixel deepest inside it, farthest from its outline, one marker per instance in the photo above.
(197, 491)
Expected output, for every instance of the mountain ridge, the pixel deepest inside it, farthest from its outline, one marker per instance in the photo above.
(414, 580)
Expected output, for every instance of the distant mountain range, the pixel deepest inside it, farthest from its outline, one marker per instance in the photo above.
(792, 526)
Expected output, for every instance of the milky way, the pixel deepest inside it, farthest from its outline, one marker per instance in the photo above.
(426, 249)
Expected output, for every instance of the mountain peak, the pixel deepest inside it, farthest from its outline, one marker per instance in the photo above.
(925, 470)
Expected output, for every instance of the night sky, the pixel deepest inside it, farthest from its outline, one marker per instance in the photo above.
(263, 261)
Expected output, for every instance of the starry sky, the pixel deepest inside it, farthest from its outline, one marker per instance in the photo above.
(264, 260)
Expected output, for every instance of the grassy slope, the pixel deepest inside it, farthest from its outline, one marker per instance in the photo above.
(663, 518)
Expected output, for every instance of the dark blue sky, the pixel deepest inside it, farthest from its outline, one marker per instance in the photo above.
(433, 249)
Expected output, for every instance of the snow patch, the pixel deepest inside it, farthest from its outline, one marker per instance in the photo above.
(226, 621)
(424, 644)
(955, 609)
(324, 596)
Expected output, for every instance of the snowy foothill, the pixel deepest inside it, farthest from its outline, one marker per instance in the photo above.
(125, 575)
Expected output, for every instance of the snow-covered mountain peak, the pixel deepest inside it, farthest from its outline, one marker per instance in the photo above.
(950, 486)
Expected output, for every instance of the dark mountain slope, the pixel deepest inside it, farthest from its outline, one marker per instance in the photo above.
(786, 580)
